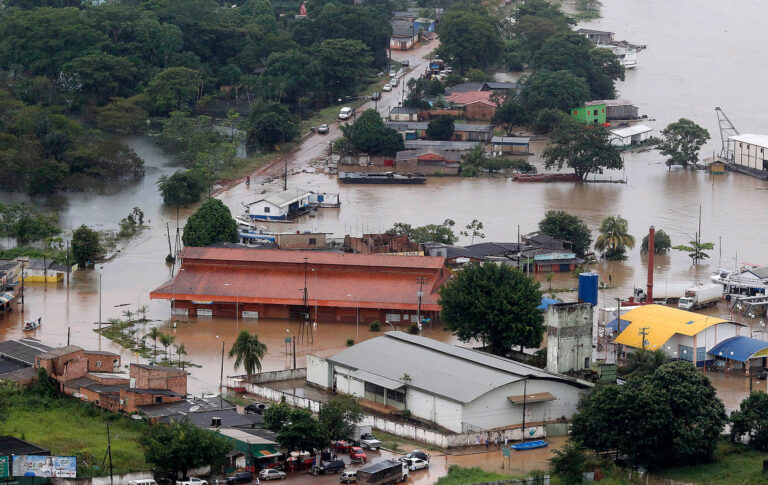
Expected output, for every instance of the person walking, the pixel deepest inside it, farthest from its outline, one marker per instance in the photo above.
(487, 443)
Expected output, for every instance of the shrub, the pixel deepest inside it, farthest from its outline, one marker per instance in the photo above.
(375, 326)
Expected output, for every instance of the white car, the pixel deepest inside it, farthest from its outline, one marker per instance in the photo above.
(192, 481)
(418, 464)
(387, 88)
(271, 474)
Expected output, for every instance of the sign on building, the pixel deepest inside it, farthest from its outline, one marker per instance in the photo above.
(5, 466)
(44, 466)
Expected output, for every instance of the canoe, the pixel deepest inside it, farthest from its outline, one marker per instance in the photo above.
(531, 445)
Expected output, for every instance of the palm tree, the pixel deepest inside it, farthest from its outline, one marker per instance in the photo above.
(180, 350)
(613, 238)
(248, 351)
(154, 334)
(644, 362)
(167, 340)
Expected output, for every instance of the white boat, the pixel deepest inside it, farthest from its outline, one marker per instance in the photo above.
(627, 56)
(33, 324)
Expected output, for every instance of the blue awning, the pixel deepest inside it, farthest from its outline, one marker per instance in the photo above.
(738, 348)
(613, 324)
(6, 297)
(545, 302)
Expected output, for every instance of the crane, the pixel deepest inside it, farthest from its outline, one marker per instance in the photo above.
(727, 130)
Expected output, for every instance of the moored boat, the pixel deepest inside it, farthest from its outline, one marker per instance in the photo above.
(381, 178)
(547, 177)
(530, 445)
(32, 324)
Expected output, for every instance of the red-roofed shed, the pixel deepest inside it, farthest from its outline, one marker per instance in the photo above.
(269, 283)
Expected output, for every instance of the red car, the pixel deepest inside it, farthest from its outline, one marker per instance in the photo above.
(341, 446)
(356, 454)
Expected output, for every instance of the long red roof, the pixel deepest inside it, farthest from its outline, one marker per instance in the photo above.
(333, 279)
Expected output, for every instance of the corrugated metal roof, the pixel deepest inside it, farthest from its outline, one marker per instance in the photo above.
(285, 197)
(662, 323)
(444, 145)
(384, 382)
(631, 130)
(450, 371)
(23, 350)
(738, 348)
(759, 140)
(510, 140)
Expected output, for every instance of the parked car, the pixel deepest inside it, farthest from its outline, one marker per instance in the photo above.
(387, 88)
(367, 440)
(341, 446)
(376, 96)
(357, 455)
(415, 454)
(392, 73)
(333, 466)
(405, 63)
(348, 476)
(256, 407)
(394, 81)
(271, 474)
(192, 481)
(417, 464)
(346, 113)
(323, 129)
(240, 477)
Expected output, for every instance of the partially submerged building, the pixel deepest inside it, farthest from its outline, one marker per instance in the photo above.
(454, 387)
(630, 135)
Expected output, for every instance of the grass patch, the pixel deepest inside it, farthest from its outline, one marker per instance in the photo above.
(733, 465)
(55, 255)
(72, 428)
(397, 443)
(125, 334)
(459, 476)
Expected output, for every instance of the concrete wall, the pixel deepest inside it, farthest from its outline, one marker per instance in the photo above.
(442, 411)
(569, 336)
(748, 155)
(318, 372)
(102, 362)
(175, 381)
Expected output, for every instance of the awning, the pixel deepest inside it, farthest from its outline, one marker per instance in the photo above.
(531, 398)
(384, 382)
(545, 302)
(739, 348)
(268, 453)
(7, 297)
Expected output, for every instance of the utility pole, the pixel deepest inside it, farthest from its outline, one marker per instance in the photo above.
(22, 287)
(109, 453)
(525, 390)
(420, 294)
(221, 377)
(68, 267)
(99, 303)
(644, 333)
(68, 329)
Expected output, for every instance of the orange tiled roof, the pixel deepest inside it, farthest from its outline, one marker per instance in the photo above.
(471, 97)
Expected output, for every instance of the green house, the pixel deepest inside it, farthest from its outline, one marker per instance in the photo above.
(255, 452)
(593, 114)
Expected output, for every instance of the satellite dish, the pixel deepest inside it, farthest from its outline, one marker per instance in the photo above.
(194, 408)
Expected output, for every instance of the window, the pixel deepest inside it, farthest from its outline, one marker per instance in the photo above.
(575, 112)
(587, 111)
(701, 354)
(396, 396)
(159, 400)
(98, 363)
(266, 210)
(312, 241)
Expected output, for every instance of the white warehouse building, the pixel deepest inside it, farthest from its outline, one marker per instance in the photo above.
(457, 388)
(750, 151)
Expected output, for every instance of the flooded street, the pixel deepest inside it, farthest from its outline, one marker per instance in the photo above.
(691, 65)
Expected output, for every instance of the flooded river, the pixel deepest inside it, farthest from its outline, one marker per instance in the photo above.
(695, 61)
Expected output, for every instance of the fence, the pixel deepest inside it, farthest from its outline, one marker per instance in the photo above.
(273, 394)
(102, 480)
(262, 377)
(539, 480)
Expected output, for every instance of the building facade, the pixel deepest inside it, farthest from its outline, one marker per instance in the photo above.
(750, 151)
(591, 115)
(569, 336)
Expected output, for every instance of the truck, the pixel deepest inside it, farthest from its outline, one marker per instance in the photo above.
(383, 472)
(367, 440)
(700, 296)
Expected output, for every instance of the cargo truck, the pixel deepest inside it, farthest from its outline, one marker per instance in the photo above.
(383, 472)
(700, 296)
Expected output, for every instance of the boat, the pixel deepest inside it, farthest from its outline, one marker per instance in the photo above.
(547, 177)
(33, 324)
(626, 55)
(381, 178)
(530, 445)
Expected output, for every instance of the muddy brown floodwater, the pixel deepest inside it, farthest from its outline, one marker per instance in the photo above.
(696, 58)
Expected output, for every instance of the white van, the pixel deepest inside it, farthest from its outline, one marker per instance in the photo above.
(146, 481)
(346, 113)
(348, 476)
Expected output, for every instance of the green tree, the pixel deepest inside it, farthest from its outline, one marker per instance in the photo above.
(614, 238)
(212, 222)
(695, 249)
(167, 340)
(369, 134)
(494, 304)
(86, 245)
(750, 421)
(477, 75)
(302, 432)
(561, 90)
(343, 64)
(289, 76)
(585, 149)
(173, 89)
(510, 113)
(473, 229)
(97, 77)
(441, 128)
(355, 22)
(567, 227)
(681, 142)
(340, 417)
(270, 125)
(440, 233)
(248, 351)
(276, 416)
(661, 243)
(643, 362)
(154, 334)
(569, 463)
(26, 224)
(182, 187)
(181, 446)
(469, 39)
(122, 115)
(670, 418)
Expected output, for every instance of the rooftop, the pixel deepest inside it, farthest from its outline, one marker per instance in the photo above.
(464, 88)
(244, 436)
(591, 31)
(159, 367)
(740, 348)
(426, 152)
(24, 350)
(10, 445)
(444, 145)
(510, 140)
(470, 97)
(285, 197)
(60, 352)
(455, 373)
(403, 28)
(495, 248)
(609, 102)
(631, 130)
(759, 140)
(404, 110)
(158, 392)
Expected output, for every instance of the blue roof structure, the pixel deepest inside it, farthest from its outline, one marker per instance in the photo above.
(738, 348)
(613, 324)
(545, 302)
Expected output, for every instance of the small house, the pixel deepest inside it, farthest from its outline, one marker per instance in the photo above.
(429, 161)
(472, 132)
(597, 36)
(409, 130)
(751, 152)
(38, 270)
(279, 206)
(511, 144)
(404, 35)
(477, 105)
(401, 113)
(591, 115)
(617, 109)
(424, 25)
(631, 135)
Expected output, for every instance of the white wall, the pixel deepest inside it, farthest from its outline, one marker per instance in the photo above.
(444, 412)
(318, 371)
(749, 155)
(347, 384)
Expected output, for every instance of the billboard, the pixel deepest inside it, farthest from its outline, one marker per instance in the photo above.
(44, 466)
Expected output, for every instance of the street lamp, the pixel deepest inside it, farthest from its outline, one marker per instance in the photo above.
(357, 317)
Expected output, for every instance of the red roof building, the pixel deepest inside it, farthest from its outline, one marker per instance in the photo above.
(269, 284)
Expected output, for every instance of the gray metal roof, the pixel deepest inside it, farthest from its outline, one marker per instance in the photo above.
(404, 110)
(472, 127)
(464, 88)
(510, 140)
(761, 272)
(444, 145)
(384, 382)
(23, 350)
(286, 197)
(450, 371)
